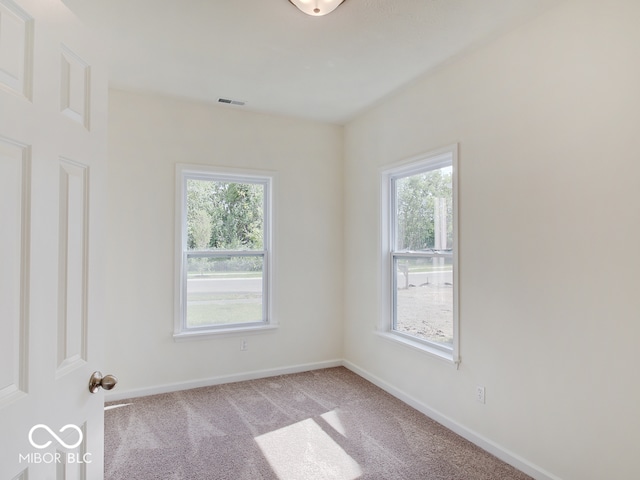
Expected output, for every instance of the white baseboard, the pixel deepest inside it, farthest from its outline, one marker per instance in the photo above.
(207, 382)
(503, 454)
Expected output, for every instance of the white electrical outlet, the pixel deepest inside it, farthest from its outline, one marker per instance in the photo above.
(244, 345)
(480, 394)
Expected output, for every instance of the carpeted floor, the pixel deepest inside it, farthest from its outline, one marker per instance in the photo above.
(325, 424)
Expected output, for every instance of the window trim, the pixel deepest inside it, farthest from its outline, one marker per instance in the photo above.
(424, 162)
(185, 172)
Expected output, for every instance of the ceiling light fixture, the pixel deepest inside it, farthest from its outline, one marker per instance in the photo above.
(317, 8)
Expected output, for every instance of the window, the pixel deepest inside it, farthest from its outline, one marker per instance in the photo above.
(223, 251)
(420, 250)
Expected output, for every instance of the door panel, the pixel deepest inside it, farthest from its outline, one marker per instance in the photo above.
(53, 100)
(16, 48)
(14, 251)
(72, 272)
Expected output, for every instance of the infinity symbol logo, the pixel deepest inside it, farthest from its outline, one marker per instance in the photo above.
(53, 434)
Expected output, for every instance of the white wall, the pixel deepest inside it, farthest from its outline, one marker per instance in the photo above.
(548, 123)
(148, 136)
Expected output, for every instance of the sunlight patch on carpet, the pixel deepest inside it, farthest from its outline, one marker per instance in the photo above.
(304, 450)
(333, 419)
(119, 405)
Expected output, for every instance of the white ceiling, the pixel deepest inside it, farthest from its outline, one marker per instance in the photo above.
(279, 60)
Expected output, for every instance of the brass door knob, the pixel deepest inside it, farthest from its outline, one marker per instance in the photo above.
(97, 380)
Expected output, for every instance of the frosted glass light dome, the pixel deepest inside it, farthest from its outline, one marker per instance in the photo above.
(317, 8)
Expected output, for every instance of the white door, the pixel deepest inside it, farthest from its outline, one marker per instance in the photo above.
(53, 100)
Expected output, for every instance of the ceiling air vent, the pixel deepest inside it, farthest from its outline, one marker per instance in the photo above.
(231, 102)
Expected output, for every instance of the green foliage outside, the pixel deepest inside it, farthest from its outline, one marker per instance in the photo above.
(421, 201)
(224, 216)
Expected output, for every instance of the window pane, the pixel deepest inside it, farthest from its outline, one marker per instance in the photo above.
(424, 298)
(224, 215)
(224, 290)
(424, 211)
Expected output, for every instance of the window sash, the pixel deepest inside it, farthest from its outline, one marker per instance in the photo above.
(264, 292)
(395, 306)
(227, 178)
(410, 254)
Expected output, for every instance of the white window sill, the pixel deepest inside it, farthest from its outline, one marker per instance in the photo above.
(421, 347)
(223, 332)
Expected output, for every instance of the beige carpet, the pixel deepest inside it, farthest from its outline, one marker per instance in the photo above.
(326, 424)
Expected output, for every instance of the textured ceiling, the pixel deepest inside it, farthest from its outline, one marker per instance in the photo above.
(279, 60)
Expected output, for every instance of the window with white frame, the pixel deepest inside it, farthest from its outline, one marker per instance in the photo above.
(420, 246)
(223, 250)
